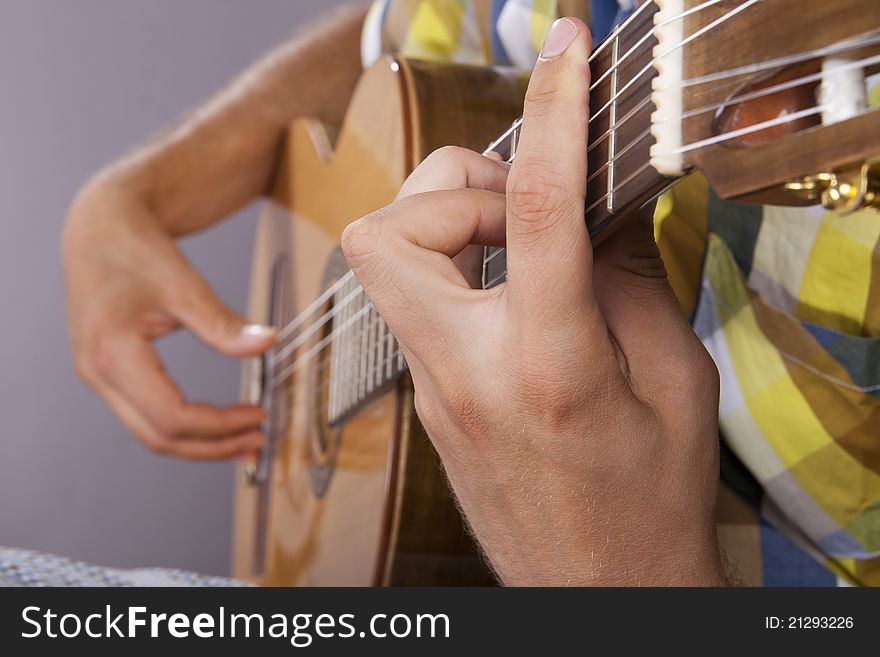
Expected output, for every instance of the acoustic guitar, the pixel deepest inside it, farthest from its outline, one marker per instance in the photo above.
(767, 98)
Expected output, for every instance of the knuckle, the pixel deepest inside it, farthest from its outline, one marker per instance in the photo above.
(469, 410)
(361, 239)
(537, 202)
(540, 100)
(556, 403)
(557, 390)
(447, 157)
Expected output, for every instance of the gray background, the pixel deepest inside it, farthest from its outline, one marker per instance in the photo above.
(82, 81)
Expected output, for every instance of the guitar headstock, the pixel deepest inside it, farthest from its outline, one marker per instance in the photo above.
(769, 98)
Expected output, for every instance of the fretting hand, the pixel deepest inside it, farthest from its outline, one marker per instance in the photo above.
(573, 408)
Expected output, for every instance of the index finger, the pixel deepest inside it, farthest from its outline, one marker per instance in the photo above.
(548, 247)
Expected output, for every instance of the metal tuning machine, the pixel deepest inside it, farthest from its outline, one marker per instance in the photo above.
(843, 192)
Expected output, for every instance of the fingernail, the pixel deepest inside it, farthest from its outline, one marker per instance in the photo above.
(256, 332)
(560, 36)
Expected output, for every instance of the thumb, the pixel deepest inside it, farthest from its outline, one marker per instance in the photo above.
(219, 327)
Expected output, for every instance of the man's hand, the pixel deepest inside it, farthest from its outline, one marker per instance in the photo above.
(128, 284)
(574, 409)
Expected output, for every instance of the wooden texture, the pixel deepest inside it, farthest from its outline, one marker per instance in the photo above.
(757, 169)
(387, 515)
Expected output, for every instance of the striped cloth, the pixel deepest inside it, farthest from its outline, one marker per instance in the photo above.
(786, 300)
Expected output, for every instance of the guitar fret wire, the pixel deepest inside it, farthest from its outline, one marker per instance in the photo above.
(767, 91)
(327, 361)
(616, 34)
(366, 375)
(617, 124)
(736, 100)
(290, 369)
(321, 408)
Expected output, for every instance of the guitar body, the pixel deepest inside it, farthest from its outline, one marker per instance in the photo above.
(364, 501)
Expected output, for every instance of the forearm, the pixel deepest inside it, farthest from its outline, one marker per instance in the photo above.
(220, 156)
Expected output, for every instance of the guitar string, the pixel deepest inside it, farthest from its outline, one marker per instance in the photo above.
(627, 55)
(703, 143)
(288, 329)
(325, 296)
(648, 34)
(351, 297)
(313, 307)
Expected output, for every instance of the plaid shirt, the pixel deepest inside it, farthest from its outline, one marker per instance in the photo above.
(787, 301)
